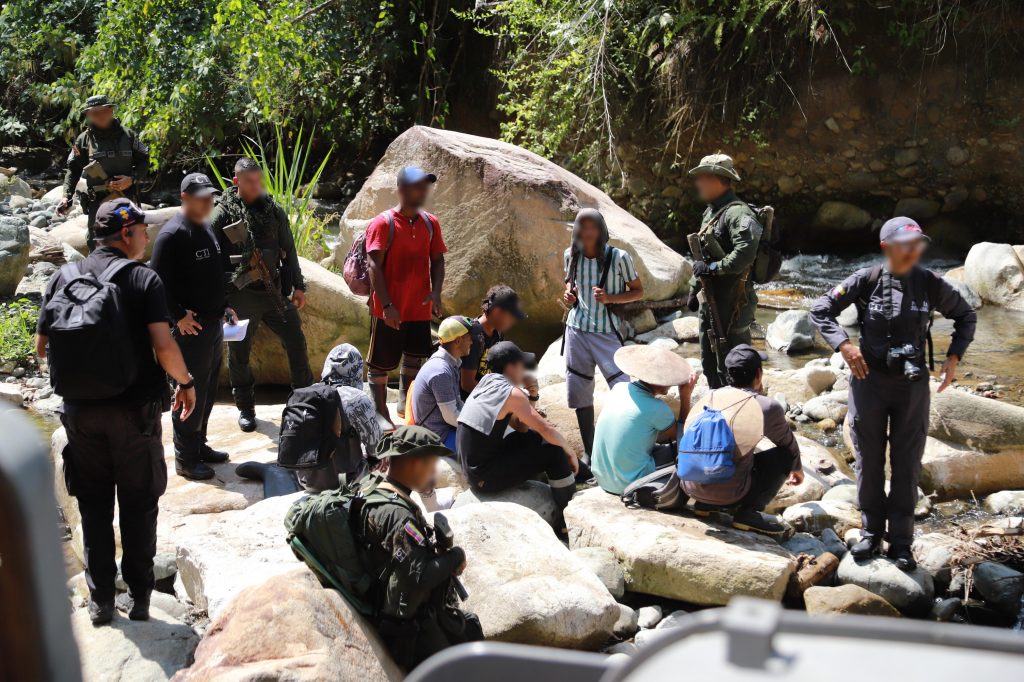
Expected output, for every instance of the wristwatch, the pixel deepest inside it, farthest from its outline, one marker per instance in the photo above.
(191, 383)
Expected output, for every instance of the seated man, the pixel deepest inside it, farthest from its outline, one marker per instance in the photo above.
(436, 400)
(759, 475)
(494, 461)
(499, 312)
(634, 421)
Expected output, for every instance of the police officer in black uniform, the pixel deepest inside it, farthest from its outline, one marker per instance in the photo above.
(416, 616)
(120, 157)
(889, 389)
(114, 445)
(188, 257)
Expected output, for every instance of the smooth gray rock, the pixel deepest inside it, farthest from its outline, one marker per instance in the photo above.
(672, 620)
(792, 331)
(805, 543)
(649, 616)
(14, 250)
(833, 543)
(1001, 586)
(605, 566)
(1005, 502)
(934, 554)
(533, 495)
(909, 591)
(628, 622)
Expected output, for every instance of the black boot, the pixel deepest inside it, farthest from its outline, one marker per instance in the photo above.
(101, 613)
(903, 557)
(210, 456)
(194, 470)
(247, 419)
(865, 548)
(765, 524)
(562, 497)
(137, 608)
(585, 419)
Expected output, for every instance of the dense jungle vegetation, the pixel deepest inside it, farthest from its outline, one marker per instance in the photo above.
(562, 77)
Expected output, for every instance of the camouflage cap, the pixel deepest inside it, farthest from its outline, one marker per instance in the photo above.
(716, 164)
(416, 441)
(97, 101)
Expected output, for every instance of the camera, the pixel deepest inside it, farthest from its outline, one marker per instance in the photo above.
(903, 359)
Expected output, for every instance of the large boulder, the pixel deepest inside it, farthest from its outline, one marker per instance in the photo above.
(827, 406)
(241, 548)
(506, 215)
(909, 591)
(953, 471)
(792, 331)
(969, 419)
(533, 495)
(14, 250)
(841, 216)
(996, 273)
(524, 584)
(1000, 586)
(680, 329)
(820, 476)
(13, 186)
(1006, 503)
(605, 566)
(333, 315)
(846, 599)
(679, 557)
(290, 628)
(149, 651)
(74, 232)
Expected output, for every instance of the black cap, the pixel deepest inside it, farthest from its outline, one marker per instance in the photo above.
(505, 353)
(506, 298)
(411, 441)
(198, 185)
(114, 216)
(902, 230)
(97, 101)
(744, 359)
(410, 175)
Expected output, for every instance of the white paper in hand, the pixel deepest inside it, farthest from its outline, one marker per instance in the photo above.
(235, 332)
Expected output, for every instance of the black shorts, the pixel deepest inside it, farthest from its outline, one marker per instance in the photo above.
(387, 345)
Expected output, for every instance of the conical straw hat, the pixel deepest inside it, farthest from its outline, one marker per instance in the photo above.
(654, 366)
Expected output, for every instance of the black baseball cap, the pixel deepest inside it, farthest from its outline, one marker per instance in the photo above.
(114, 216)
(505, 353)
(504, 297)
(745, 358)
(198, 185)
(410, 175)
(901, 230)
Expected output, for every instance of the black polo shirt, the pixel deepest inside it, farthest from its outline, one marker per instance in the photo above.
(189, 260)
(145, 302)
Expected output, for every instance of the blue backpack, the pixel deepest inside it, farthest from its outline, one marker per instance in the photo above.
(706, 449)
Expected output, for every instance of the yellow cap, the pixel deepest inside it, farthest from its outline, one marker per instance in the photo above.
(453, 327)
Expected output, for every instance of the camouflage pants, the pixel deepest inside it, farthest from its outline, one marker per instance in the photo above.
(738, 333)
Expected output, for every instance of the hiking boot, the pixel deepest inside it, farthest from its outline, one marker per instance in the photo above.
(765, 524)
(211, 456)
(903, 557)
(584, 476)
(137, 609)
(865, 548)
(101, 613)
(194, 471)
(704, 510)
(247, 419)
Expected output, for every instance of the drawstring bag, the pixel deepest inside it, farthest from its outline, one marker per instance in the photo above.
(707, 448)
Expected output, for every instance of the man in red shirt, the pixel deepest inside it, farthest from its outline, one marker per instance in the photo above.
(406, 263)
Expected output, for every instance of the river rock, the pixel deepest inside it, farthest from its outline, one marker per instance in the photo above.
(14, 251)
(950, 470)
(814, 517)
(846, 599)
(841, 216)
(525, 585)
(1000, 586)
(450, 474)
(804, 543)
(673, 620)
(798, 385)
(934, 554)
(551, 366)
(849, 317)
(816, 459)
(241, 548)
(1005, 503)
(679, 557)
(506, 215)
(679, 329)
(649, 616)
(828, 406)
(833, 543)
(13, 186)
(552, 403)
(791, 331)
(74, 232)
(288, 627)
(917, 208)
(909, 591)
(967, 293)
(143, 651)
(533, 495)
(996, 272)
(605, 566)
(628, 622)
(961, 417)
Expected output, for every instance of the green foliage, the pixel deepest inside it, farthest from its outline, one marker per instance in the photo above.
(17, 330)
(288, 183)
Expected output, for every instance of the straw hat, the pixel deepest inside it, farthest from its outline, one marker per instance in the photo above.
(654, 366)
(740, 409)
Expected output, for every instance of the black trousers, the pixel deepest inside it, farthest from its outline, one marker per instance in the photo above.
(204, 355)
(523, 456)
(888, 410)
(771, 469)
(116, 450)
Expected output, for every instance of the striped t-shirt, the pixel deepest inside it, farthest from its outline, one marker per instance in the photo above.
(588, 315)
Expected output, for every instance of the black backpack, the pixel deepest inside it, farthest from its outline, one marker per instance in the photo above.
(90, 348)
(307, 437)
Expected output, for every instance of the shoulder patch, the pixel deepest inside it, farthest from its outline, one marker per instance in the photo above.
(838, 292)
(413, 532)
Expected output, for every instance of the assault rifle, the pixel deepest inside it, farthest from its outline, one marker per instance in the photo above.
(444, 538)
(717, 332)
(238, 233)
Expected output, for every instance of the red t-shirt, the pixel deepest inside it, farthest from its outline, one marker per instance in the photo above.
(407, 262)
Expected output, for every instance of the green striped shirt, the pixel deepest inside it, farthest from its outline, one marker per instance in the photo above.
(588, 315)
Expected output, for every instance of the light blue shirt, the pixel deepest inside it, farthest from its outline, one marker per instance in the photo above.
(627, 431)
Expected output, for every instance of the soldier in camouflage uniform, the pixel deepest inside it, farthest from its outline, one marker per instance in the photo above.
(121, 162)
(275, 300)
(729, 236)
(416, 616)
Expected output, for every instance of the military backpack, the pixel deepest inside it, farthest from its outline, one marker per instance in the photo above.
(314, 429)
(769, 257)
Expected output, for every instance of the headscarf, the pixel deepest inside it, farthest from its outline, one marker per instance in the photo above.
(343, 368)
(602, 240)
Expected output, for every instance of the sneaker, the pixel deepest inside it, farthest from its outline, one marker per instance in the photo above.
(194, 471)
(101, 613)
(903, 557)
(211, 456)
(865, 548)
(247, 420)
(704, 510)
(765, 524)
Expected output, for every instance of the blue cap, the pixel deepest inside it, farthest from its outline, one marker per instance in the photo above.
(410, 175)
(902, 230)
